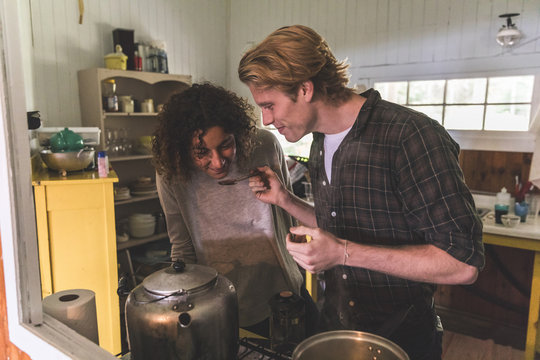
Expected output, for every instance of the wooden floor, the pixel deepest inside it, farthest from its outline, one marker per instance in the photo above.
(462, 347)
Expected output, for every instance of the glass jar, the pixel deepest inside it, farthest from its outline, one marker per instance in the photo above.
(108, 93)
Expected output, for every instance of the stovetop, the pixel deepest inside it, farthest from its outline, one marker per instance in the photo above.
(250, 349)
(259, 349)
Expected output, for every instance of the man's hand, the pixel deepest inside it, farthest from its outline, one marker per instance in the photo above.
(268, 188)
(324, 251)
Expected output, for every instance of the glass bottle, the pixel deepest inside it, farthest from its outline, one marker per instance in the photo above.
(108, 93)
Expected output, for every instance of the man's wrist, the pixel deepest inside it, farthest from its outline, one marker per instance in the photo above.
(345, 253)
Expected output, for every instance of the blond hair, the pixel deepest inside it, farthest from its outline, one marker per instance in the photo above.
(292, 55)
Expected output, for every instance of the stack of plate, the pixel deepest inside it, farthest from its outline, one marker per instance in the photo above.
(142, 225)
(143, 186)
(121, 193)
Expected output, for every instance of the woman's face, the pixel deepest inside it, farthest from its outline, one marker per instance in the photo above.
(214, 152)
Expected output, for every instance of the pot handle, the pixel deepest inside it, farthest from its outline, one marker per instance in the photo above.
(123, 287)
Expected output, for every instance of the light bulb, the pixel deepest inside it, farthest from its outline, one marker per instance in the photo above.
(508, 37)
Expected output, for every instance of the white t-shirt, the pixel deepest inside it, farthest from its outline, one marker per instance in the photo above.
(331, 144)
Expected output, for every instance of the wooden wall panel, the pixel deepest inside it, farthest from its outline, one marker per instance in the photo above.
(488, 171)
(7, 349)
(491, 170)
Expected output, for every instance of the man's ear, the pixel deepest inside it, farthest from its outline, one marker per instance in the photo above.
(306, 90)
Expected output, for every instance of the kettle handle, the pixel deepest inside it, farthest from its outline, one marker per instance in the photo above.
(179, 265)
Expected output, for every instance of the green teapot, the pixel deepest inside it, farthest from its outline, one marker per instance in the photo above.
(66, 141)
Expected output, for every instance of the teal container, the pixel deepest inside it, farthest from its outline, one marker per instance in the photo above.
(66, 141)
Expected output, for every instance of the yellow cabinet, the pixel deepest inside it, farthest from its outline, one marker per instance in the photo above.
(77, 242)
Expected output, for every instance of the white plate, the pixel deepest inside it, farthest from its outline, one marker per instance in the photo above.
(152, 192)
(122, 197)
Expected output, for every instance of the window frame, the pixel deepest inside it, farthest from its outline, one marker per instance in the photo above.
(486, 140)
(37, 334)
(484, 104)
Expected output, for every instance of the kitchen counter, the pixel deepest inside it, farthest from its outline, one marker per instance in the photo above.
(524, 236)
(528, 230)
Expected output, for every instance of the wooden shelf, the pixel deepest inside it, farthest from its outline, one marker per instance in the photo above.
(134, 114)
(135, 199)
(140, 241)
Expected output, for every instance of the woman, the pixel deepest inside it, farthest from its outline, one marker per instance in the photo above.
(205, 134)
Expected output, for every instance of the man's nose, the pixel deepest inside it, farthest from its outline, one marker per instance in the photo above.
(267, 119)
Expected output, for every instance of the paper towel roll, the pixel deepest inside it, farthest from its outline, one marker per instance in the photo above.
(75, 308)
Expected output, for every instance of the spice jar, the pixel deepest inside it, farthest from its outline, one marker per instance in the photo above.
(126, 104)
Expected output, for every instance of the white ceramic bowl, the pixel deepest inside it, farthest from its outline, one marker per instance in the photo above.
(141, 225)
(510, 220)
(142, 230)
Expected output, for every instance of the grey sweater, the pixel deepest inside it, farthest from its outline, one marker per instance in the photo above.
(227, 228)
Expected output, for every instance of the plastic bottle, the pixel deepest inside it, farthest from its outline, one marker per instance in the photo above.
(137, 59)
(158, 57)
(162, 58)
(103, 164)
(502, 204)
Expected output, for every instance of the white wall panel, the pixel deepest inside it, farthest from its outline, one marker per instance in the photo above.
(206, 38)
(196, 34)
(398, 38)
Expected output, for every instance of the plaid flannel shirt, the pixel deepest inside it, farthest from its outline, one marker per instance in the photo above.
(396, 181)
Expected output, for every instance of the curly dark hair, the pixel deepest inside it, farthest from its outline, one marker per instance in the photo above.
(200, 107)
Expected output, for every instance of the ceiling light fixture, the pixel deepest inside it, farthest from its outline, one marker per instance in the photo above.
(508, 35)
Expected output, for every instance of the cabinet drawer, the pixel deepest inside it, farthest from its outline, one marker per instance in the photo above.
(72, 197)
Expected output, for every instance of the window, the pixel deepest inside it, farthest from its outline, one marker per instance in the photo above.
(485, 103)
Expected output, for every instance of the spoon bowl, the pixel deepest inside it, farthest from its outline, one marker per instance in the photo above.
(238, 179)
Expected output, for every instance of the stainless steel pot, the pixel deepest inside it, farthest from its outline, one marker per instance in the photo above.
(183, 312)
(348, 344)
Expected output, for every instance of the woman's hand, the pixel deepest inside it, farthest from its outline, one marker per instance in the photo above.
(268, 188)
(323, 252)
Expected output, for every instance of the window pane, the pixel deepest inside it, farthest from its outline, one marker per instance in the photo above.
(508, 117)
(426, 92)
(510, 89)
(395, 92)
(466, 91)
(299, 148)
(463, 117)
(434, 112)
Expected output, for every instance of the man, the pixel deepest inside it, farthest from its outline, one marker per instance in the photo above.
(392, 213)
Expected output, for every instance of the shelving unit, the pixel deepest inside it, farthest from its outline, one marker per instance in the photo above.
(137, 242)
(129, 167)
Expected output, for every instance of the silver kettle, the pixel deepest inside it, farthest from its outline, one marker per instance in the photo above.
(183, 312)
